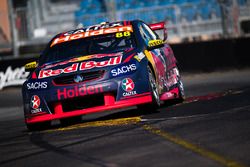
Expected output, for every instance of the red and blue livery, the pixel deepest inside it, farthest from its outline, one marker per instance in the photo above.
(98, 68)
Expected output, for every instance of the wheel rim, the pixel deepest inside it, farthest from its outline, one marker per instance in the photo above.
(154, 88)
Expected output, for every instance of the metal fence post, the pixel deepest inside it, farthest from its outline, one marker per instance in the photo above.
(14, 33)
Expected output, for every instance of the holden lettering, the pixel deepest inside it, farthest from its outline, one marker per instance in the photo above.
(79, 91)
(94, 27)
(91, 33)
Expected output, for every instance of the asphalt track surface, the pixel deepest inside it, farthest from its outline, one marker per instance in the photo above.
(211, 128)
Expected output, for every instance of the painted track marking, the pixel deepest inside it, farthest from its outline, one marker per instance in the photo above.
(192, 147)
(112, 122)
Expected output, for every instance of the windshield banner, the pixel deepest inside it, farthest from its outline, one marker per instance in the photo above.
(68, 38)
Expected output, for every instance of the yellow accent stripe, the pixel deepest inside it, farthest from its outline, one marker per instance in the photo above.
(151, 60)
(205, 153)
(112, 122)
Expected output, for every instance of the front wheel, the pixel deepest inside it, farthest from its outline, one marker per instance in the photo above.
(154, 92)
(181, 91)
(154, 89)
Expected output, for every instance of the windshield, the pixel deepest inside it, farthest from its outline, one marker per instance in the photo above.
(111, 43)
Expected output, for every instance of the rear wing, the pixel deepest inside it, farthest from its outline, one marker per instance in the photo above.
(160, 29)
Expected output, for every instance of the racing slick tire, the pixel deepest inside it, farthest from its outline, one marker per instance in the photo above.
(38, 126)
(181, 92)
(152, 107)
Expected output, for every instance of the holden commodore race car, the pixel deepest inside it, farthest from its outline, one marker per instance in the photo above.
(98, 68)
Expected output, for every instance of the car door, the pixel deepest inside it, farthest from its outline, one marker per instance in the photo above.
(158, 56)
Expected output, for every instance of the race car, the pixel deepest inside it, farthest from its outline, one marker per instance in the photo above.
(100, 68)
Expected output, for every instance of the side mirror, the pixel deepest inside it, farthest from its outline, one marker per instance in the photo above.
(29, 67)
(154, 44)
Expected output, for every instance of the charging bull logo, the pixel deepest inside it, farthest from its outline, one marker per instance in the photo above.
(82, 66)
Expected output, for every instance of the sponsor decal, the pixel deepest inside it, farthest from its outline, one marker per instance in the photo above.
(155, 42)
(169, 94)
(93, 64)
(82, 66)
(157, 26)
(85, 34)
(139, 56)
(36, 85)
(49, 73)
(78, 78)
(176, 72)
(125, 69)
(172, 81)
(31, 65)
(12, 77)
(35, 104)
(83, 58)
(122, 34)
(79, 91)
(173, 77)
(93, 27)
(128, 86)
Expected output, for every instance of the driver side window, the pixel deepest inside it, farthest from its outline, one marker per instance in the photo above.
(150, 32)
(147, 33)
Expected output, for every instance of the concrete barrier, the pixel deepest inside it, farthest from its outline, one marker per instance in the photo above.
(192, 57)
(213, 55)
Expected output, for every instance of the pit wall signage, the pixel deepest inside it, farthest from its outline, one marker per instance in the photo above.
(12, 71)
(12, 76)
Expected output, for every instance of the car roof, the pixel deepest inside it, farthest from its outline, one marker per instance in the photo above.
(102, 25)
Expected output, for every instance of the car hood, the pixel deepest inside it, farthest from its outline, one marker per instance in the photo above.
(81, 64)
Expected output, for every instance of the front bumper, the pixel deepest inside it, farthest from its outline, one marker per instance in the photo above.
(109, 104)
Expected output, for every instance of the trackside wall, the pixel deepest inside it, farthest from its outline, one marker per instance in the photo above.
(192, 57)
(213, 55)
(12, 72)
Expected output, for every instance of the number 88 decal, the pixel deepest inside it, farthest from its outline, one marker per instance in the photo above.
(122, 34)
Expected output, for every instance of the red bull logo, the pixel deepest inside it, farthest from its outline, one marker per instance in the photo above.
(83, 66)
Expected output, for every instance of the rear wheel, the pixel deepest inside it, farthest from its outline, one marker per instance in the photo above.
(181, 91)
(154, 89)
